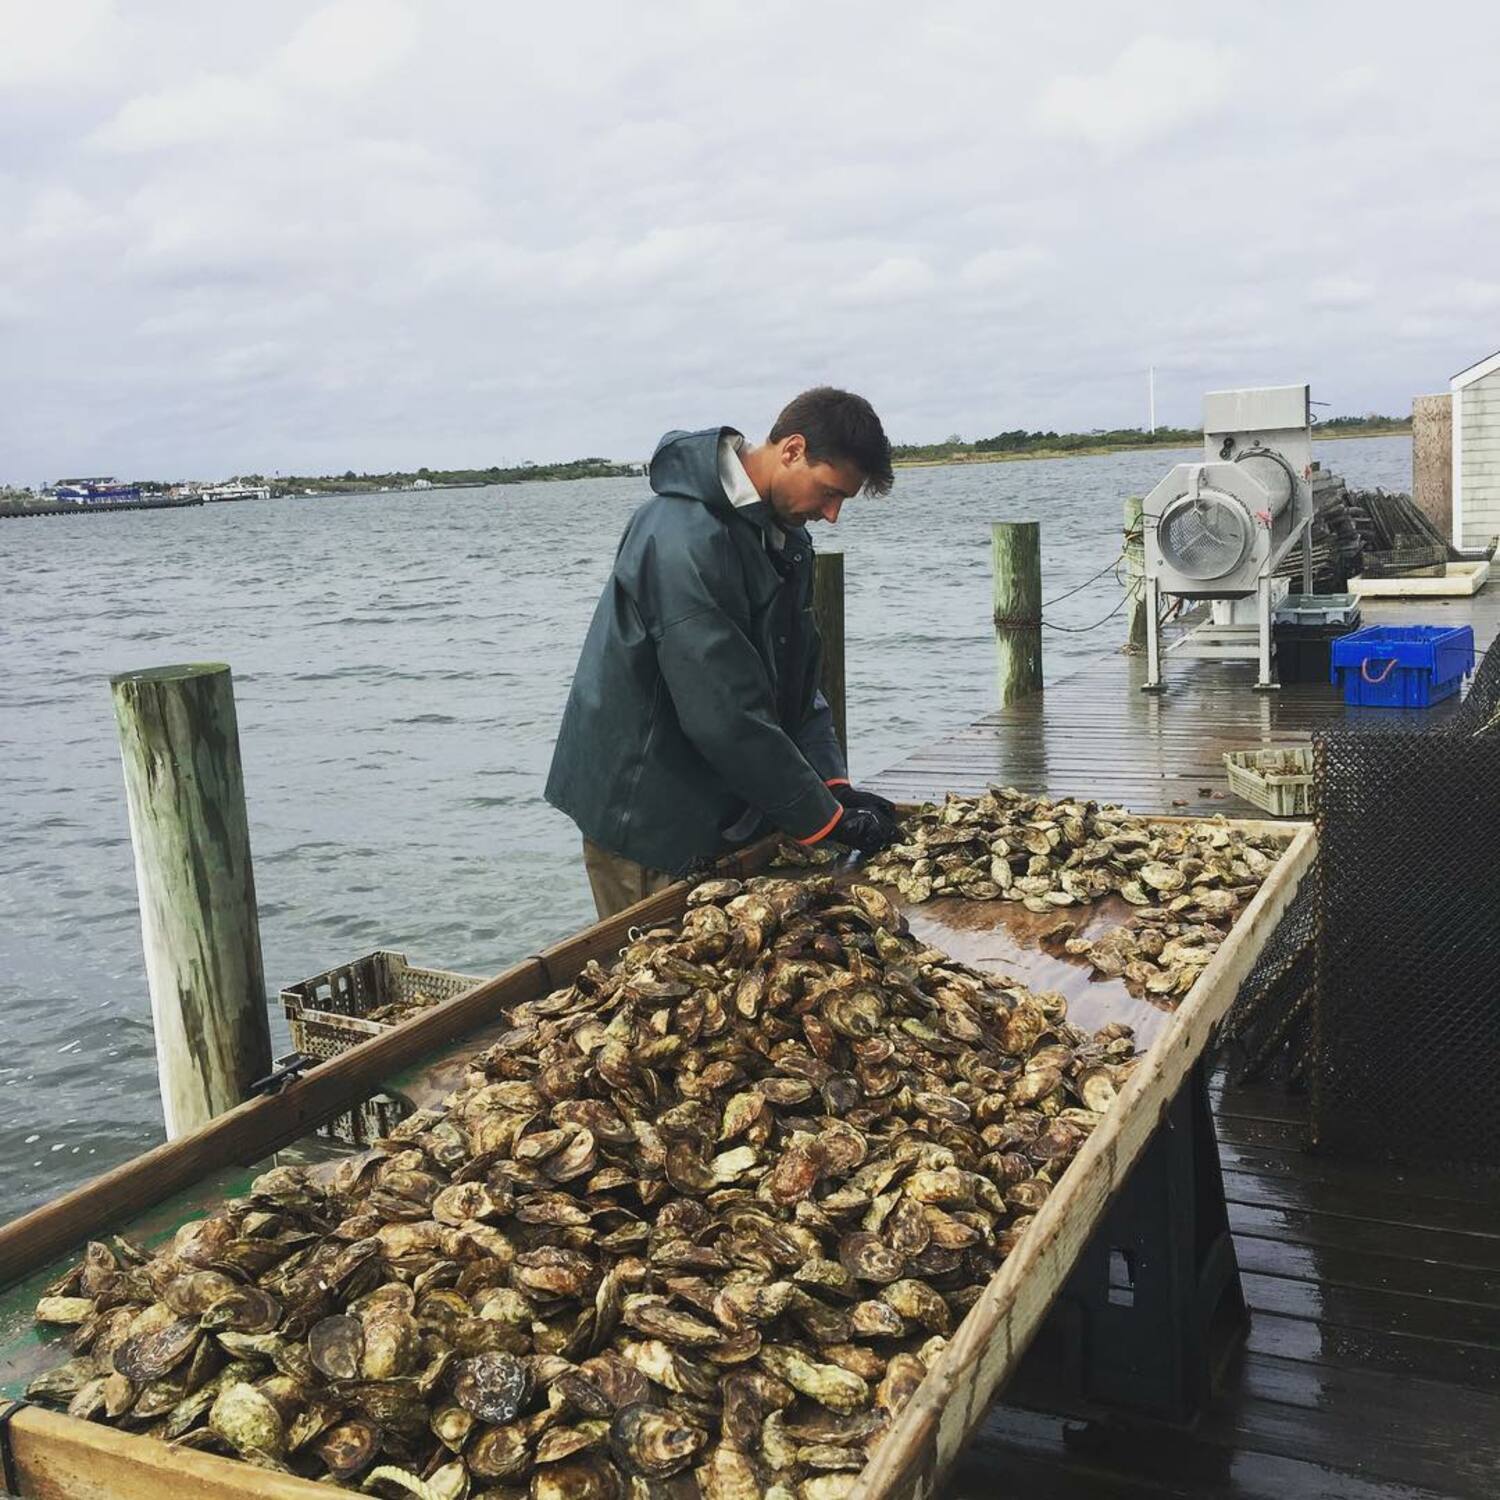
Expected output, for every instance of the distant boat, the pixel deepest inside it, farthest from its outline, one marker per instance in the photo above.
(238, 492)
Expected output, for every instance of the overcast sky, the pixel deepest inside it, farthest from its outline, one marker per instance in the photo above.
(372, 234)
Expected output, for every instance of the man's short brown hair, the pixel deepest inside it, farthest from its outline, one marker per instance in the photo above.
(839, 427)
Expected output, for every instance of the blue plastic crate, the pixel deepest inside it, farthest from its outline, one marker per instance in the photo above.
(1402, 666)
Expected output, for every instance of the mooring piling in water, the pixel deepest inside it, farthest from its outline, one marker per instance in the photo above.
(1017, 552)
(180, 748)
(828, 611)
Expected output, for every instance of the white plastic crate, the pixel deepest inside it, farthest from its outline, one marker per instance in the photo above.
(327, 1015)
(1276, 779)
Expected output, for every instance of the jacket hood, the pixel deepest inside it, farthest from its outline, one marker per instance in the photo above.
(686, 464)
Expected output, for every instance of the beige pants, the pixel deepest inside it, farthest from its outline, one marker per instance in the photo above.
(618, 882)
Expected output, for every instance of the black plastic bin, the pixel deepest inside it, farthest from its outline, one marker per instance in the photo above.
(1303, 652)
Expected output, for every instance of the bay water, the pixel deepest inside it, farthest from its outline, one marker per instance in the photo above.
(400, 666)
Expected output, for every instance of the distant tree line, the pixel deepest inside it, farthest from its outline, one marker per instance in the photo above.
(349, 481)
(1371, 421)
(1019, 440)
(1016, 441)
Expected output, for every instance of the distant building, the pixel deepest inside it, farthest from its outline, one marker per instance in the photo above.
(421, 484)
(99, 490)
(1476, 453)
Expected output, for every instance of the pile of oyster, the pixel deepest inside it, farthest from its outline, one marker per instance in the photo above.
(1188, 880)
(1155, 955)
(398, 1010)
(697, 1224)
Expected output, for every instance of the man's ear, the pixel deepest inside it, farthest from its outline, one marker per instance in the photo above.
(793, 448)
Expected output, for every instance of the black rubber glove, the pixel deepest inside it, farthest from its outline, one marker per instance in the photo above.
(851, 796)
(865, 830)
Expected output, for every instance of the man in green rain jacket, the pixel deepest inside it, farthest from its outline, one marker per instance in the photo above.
(695, 722)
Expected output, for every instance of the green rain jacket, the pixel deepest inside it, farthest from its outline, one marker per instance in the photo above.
(695, 718)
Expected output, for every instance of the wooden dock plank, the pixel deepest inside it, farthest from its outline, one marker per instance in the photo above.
(1373, 1205)
(1427, 1430)
(1255, 1134)
(1456, 1366)
(1440, 1320)
(1187, 1464)
(1430, 1200)
(1377, 1273)
(1441, 1248)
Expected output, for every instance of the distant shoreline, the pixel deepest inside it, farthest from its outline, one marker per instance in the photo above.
(325, 488)
(963, 459)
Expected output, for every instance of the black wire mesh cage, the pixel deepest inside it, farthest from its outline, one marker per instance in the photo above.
(1405, 1045)
(1267, 1032)
(1401, 561)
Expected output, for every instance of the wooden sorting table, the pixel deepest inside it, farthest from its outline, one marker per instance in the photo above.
(53, 1456)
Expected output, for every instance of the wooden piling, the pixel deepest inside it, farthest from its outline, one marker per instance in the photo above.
(1134, 548)
(1018, 608)
(828, 611)
(179, 743)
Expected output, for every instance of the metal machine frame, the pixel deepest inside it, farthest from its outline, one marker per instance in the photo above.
(1270, 426)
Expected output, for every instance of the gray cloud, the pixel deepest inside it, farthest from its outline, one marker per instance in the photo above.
(373, 232)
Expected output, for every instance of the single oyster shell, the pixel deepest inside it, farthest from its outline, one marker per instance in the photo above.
(245, 1309)
(248, 1421)
(337, 1346)
(588, 1477)
(493, 1386)
(64, 1310)
(829, 1385)
(145, 1357)
(718, 891)
(657, 1318)
(867, 1257)
(654, 1440)
(500, 1453)
(903, 1375)
(558, 1443)
(193, 1293)
(728, 1474)
(347, 1447)
(918, 1303)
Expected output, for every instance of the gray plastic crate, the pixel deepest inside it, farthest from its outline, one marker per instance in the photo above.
(1317, 609)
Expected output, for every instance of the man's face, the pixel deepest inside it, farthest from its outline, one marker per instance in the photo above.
(803, 490)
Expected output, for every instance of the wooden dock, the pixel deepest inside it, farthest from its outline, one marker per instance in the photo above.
(11, 510)
(1372, 1367)
(1095, 733)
